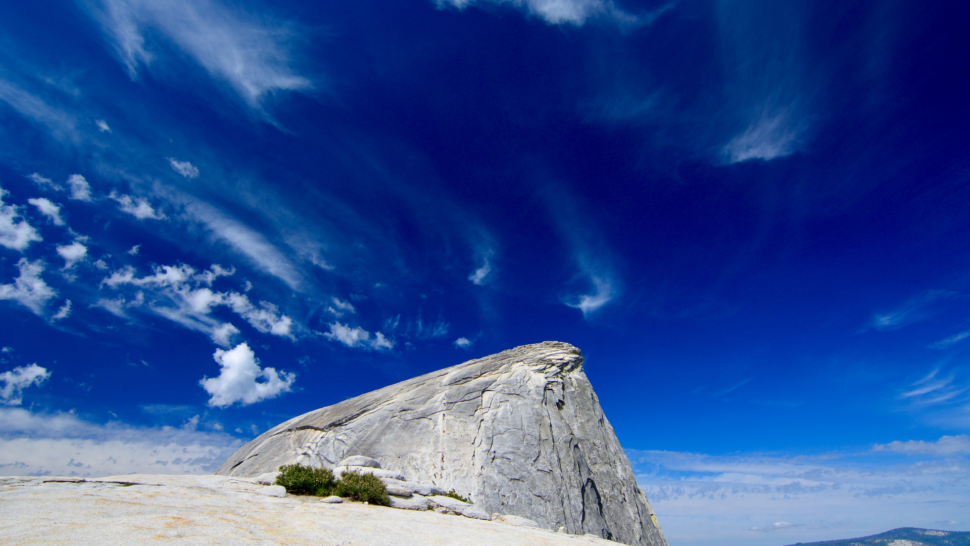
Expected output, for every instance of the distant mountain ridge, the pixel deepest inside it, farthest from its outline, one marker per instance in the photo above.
(906, 536)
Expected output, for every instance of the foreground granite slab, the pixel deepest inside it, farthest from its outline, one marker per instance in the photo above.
(520, 433)
(166, 509)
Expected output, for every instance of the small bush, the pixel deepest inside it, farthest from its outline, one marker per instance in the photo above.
(456, 496)
(302, 480)
(363, 487)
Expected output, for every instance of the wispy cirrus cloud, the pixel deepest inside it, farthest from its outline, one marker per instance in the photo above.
(417, 327)
(59, 123)
(775, 133)
(184, 168)
(596, 282)
(769, 94)
(480, 275)
(250, 54)
(602, 292)
(245, 240)
(952, 340)
(940, 398)
(566, 12)
(63, 312)
(916, 309)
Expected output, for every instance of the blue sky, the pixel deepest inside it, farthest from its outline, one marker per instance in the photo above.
(749, 215)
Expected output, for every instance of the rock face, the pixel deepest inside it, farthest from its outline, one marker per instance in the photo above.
(218, 510)
(519, 433)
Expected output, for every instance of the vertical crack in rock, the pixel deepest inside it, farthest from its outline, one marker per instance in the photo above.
(520, 432)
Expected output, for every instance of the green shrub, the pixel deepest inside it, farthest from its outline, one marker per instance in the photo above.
(456, 496)
(302, 480)
(363, 487)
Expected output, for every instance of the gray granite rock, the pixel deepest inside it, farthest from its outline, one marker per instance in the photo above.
(332, 499)
(520, 433)
(142, 510)
(395, 491)
(454, 506)
(514, 520)
(413, 503)
(360, 460)
(269, 478)
(272, 491)
(390, 474)
(415, 488)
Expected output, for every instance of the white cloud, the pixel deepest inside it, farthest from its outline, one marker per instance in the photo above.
(239, 379)
(223, 334)
(101, 264)
(164, 276)
(214, 272)
(248, 242)
(417, 328)
(44, 182)
(943, 344)
(265, 318)
(603, 292)
(72, 253)
(138, 207)
(102, 125)
(340, 307)
(29, 289)
(730, 500)
(134, 250)
(558, 12)
(184, 168)
(60, 124)
(62, 444)
(463, 343)
(80, 189)
(774, 526)
(479, 275)
(946, 446)
(13, 234)
(770, 136)
(245, 52)
(118, 305)
(916, 309)
(48, 209)
(358, 337)
(63, 312)
(18, 379)
(190, 305)
(939, 396)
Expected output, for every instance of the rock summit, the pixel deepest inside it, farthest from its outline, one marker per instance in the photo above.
(520, 433)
